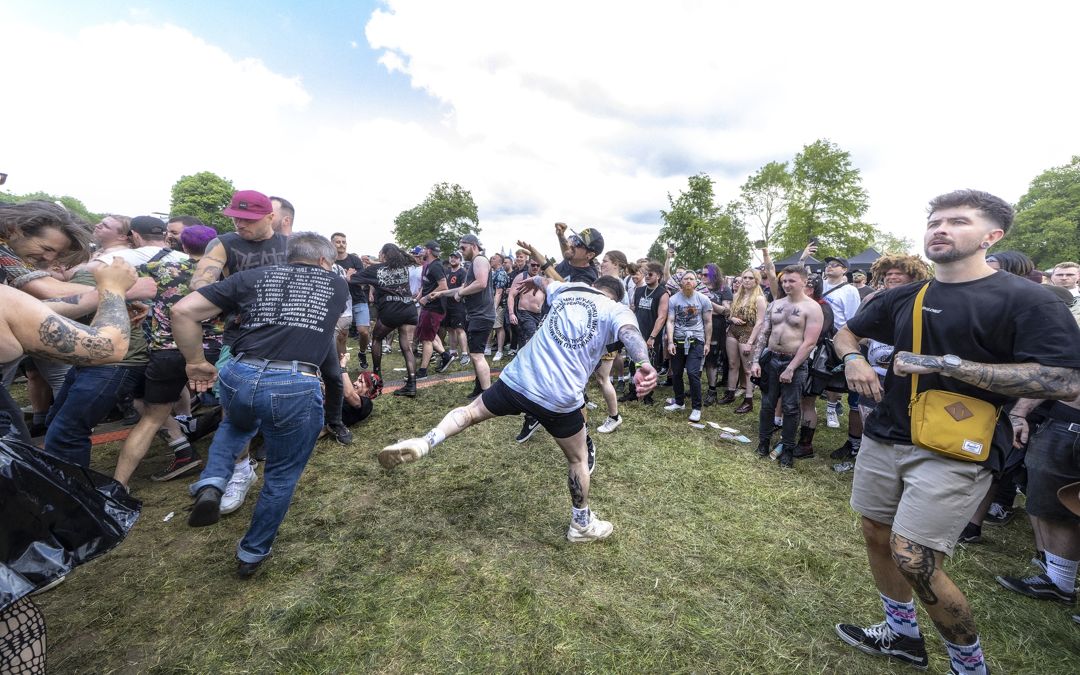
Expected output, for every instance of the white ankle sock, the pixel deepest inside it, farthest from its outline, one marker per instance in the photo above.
(900, 616)
(1062, 572)
(967, 659)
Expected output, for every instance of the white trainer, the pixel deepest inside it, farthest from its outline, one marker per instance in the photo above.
(596, 529)
(695, 415)
(674, 406)
(464, 360)
(498, 357)
(610, 424)
(402, 452)
(237, 489)
(831, 418)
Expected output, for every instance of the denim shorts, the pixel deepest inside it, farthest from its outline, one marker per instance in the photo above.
(361, 314)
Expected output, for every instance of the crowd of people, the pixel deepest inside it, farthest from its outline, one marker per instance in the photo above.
(248, 335)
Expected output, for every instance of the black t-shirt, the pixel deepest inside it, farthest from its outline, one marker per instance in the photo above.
(1001, 318)
(433, 274)
(285, 312)
(455, 278)
(585, 275)
(242, 255)
(646, 306)
(719, 321)
(357, 291)
(391, 285)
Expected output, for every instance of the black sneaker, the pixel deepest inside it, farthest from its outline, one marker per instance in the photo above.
(246, 570)
(787, 461)
(845, 451)
(972, 534)
(763, 449)
(710, 398)
(178, 467)
(340, 432)
(998, 515)
(590, 451)
(445, 361)
(1039, 587)
(528, 428)
(880, 640)
(362, 361)
(207, 507)
(421, 373)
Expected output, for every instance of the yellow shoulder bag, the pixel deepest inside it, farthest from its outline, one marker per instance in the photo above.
(957, 426)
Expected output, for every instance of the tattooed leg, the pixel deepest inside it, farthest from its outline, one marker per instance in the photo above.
(943, 601)
(578, 470)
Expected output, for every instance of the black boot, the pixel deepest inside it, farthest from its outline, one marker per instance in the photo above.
(763, 447)
(729, 397)
(407, 389)
(476, 390)
(805, 448)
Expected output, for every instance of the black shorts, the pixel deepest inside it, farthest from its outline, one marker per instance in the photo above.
(456, 316)
(501, 400)
(1053, 461)
(166, 375)
(477, 332)
(395, 314)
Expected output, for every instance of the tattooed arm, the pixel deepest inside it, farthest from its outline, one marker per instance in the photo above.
(645, 377)
(211, 267)
(38, 330)
(1028, 380)
(762, 340)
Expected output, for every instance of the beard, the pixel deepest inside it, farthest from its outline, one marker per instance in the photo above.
(950, 255)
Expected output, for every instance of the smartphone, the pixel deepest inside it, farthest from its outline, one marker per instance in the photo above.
(760, 243)
(813, 241)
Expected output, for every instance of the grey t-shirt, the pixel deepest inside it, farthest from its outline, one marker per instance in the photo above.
(689, 315)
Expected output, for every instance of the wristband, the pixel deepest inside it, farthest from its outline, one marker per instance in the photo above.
(849, 356)
(638, 364)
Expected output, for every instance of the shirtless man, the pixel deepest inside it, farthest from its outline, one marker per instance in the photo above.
(791, 329)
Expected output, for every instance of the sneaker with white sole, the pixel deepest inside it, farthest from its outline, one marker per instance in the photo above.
(596, 529)
(589, 405)
(528, 428)
(464, 360)
(610, 424)
(487, 351)
(409, 450)
(237, 489)
(1039, 587)
(498, 357)
(832, 418)
(673, 407)
(590, 453)
(880, 640)
(695, 415)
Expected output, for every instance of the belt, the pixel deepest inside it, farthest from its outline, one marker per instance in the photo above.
(781, 356)
(302, 367)
(1062, 413)
(399, 298)
(1069, 426)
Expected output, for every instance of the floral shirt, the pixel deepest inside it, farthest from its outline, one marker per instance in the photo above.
(500, 279)
(172, 282)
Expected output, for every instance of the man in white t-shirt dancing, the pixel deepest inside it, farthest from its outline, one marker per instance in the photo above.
(547, 379)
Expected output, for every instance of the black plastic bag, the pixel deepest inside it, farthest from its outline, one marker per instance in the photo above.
(53, 516)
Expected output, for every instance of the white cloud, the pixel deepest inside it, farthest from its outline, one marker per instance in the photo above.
(584, 112)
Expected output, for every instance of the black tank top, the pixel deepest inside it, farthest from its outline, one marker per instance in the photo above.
(241, 254)
(647, 307)
(479, 305)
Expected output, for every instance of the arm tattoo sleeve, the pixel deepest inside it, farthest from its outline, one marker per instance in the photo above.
(66, 300)
(763, 335)
(635, 344)
(1029, 380)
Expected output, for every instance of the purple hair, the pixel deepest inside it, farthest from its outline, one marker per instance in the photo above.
(195, 238)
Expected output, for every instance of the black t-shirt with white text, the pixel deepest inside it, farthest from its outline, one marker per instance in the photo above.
(357, 290)
(285, 312)
(391, 286)
(242, 255)
(999, 319)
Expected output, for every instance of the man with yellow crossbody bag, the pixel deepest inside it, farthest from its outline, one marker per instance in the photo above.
(973, 340)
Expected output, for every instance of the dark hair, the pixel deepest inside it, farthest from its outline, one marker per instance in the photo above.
(612, 285)
(994, 208)
(188, 221)
(31, 218)
(813, 282)
(308, 247)
(395, 256)
(714, 276)
(797, 269)
(195, 238)
(338, 234)
(1014, 262)
(655, 268)
(286, 205)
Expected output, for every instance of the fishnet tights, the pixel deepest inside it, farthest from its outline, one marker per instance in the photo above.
(22, 639)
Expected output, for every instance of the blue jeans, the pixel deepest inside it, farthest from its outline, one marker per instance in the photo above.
(87, 396)
(287, 407)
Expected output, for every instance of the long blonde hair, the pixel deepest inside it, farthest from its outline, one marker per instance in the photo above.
(747, 297)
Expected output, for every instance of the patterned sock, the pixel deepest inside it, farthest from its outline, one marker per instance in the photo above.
(900, 616)
(434, 437)
(855, 441)
(581, 516)
(181, 448)
(967, 659)
(1061, 571)
(833, 406)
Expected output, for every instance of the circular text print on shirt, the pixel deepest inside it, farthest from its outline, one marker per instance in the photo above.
(573, 322)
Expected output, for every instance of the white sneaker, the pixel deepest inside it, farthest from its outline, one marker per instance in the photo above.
(409, 450)
(464, 360)
(487, 351)
(498, 357)
(610, 425)
(695, 415)
(672, 407)
(831, 418)
(237, 489)
(596, 529)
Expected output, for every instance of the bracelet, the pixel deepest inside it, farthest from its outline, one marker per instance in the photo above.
(545, 266)
(851, 356)
(638, 364)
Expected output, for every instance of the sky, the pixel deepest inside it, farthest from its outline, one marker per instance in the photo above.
(585, 112)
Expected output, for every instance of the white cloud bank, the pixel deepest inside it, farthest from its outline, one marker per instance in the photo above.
(584, 112)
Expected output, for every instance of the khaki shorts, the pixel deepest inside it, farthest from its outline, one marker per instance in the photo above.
(925, 497)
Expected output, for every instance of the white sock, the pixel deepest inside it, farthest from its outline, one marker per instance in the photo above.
(1061, 571)
(967, 659)
(434, 437)
(900, 616)
(242, 468)
(777, 421)
(580, 516)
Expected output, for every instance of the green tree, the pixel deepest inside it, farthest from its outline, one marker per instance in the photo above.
(1047, 225)
(445, 215)
(701, 232)
(827, 201)
(763, 199)
(203, 195)
(72, 204)
(887, 242)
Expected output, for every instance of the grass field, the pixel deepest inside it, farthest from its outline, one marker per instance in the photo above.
(719, 563)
